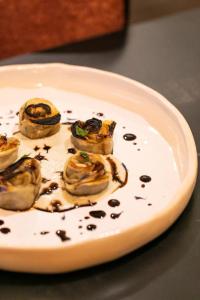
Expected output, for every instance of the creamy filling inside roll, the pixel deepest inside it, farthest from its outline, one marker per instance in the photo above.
(8, 150)
(39, 118)
(85, 174)
(93, 136)
(20, 184)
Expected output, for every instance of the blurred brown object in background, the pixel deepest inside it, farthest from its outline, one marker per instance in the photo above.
(27, 26)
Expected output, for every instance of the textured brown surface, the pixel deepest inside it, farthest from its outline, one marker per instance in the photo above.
(27, 26)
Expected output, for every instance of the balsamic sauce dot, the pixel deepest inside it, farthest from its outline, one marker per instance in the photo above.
(142, 185)
(98, 214)
(149, 204)
(129, 137)
(40, 157)
(145, 178)
(139, 198)
(44, 232)
(113, 202)
(80, 226)
(100, 114)
(1, 222)
(138, 149)
(86, 218)
(5, 230)
(47, 148)
(71, 150)
(91, 227)
(115, 216)
(36, 148)
(62, 235)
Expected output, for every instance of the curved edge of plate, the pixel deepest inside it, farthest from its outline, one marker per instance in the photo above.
(88, 253)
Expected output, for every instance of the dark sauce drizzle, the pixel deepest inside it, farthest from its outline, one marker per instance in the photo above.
(91, 227)
(58, 209)
(71, 150)
(139, 198)
(62, 235)
(5, 230)
(45, 180)
(113, 202)
(36, 148)
(47, 191)
(129, 137)
(114, 171)
(100, 114)
(47, 148)
(98, 214)
(1, 222)
(115, 216)
(44, 232)
(145, 178)
(40, 157)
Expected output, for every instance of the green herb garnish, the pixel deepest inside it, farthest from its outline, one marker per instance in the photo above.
(81, 132)
(85, 156)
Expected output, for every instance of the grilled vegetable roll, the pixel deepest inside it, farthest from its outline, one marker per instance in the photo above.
(93, 135)
(85, 174)
(8, 150)
(20, 184)
(39, 118)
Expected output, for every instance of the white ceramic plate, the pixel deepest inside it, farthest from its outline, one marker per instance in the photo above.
(164, 149)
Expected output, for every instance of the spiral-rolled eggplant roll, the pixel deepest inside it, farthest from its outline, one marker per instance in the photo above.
(20, 184)
(39, 118)
(93, 136)
(8, 150)
(85, 174)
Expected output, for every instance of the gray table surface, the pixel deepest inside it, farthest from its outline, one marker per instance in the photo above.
(164, 54)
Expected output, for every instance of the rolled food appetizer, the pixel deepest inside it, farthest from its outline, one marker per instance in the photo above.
(20, 184)
(93, 136)
(8, 150)
(85, 174)
(39, 118)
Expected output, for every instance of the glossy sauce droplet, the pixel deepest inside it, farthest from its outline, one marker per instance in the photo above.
(48, 190)
(5, 230)
(129, 137)
(100, 114)
(47, 148)
(40, 157)
(36, 148)
(1, 222)
(113, 202)
(98, 214)
(91, 227)
(71, 150)
(62, 235)
(145, 178)
(115, 216)
(139, 198)
(45, 180)
(44, 232)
